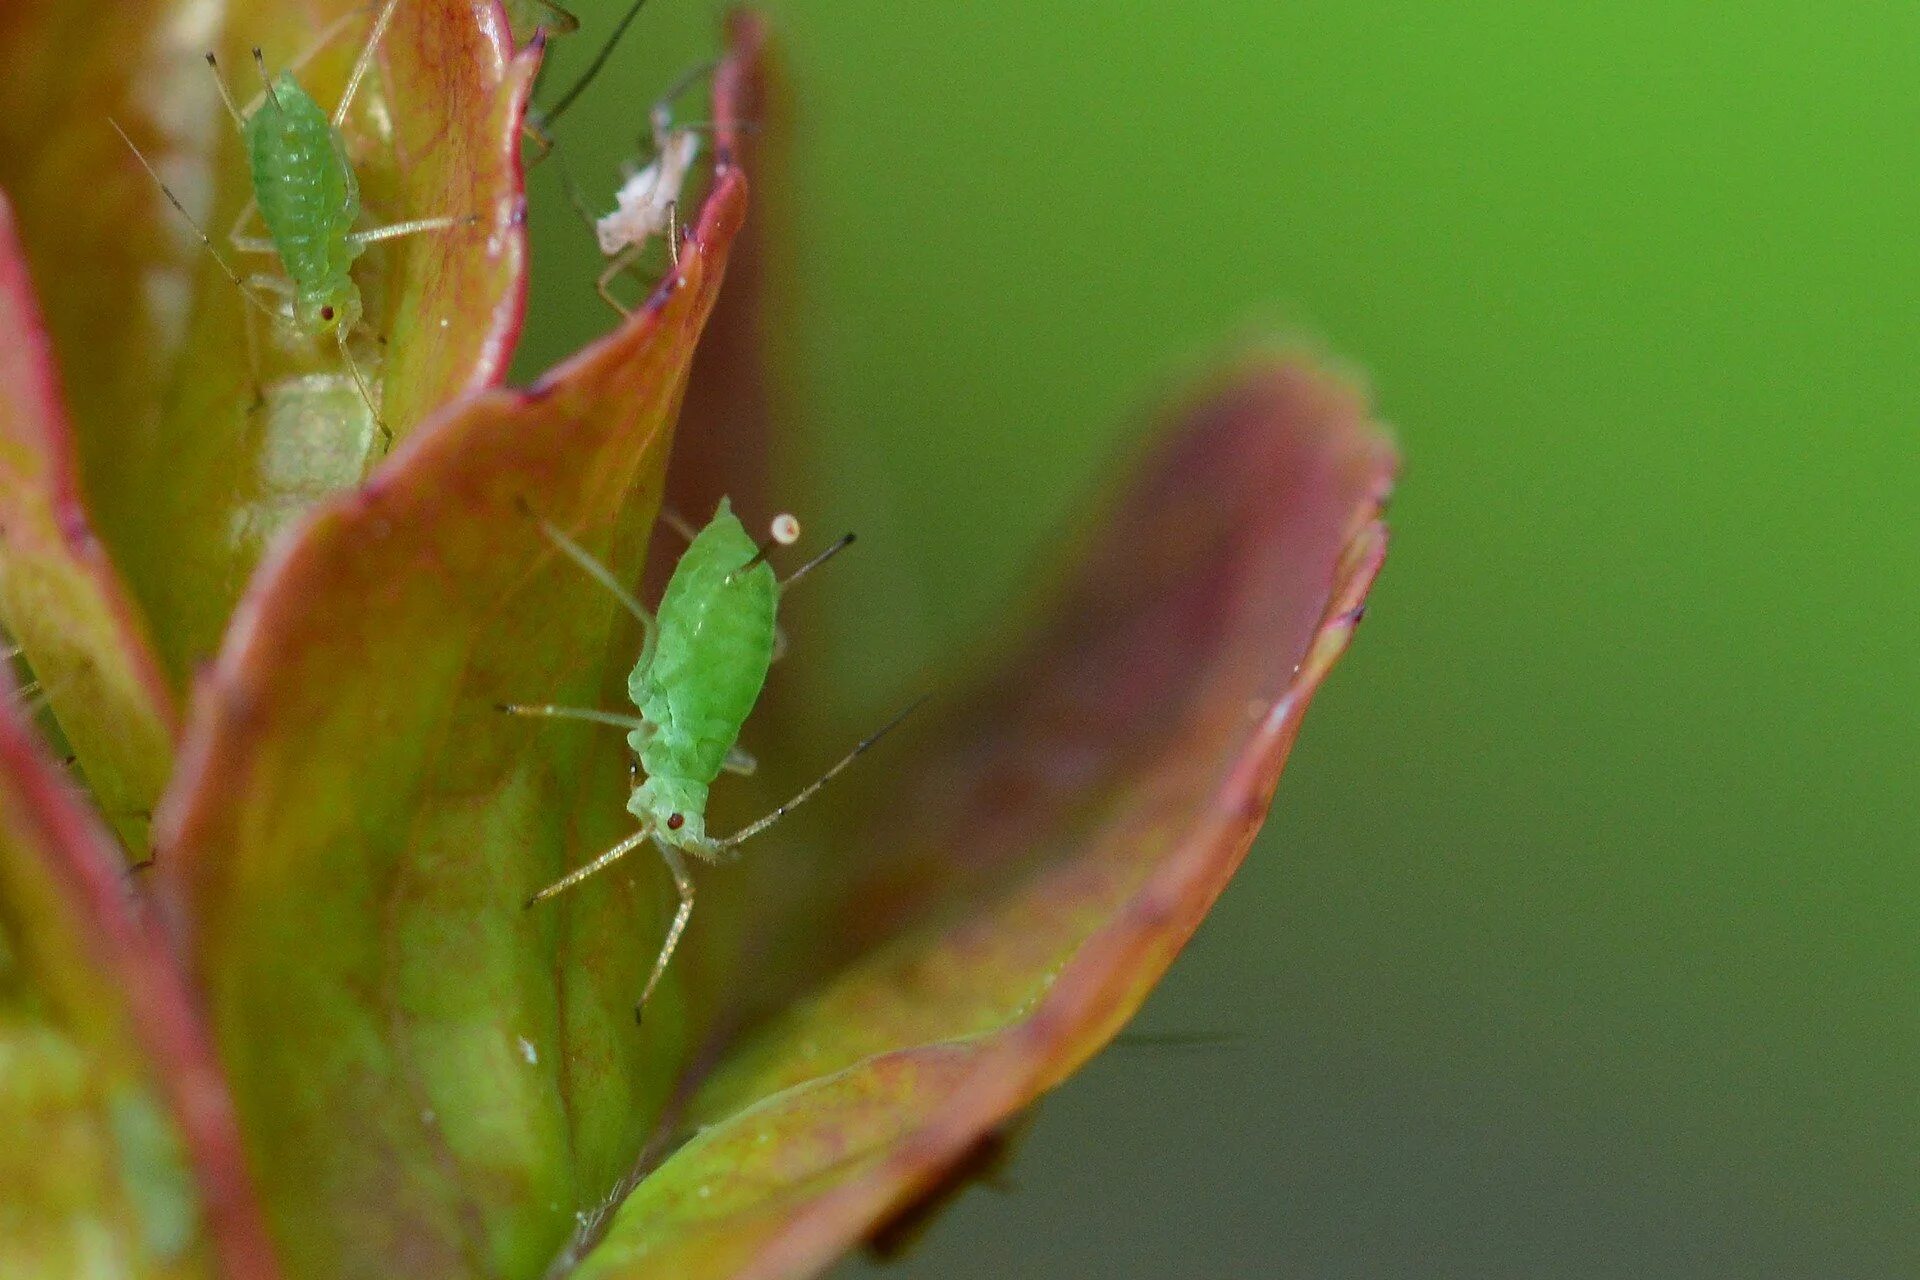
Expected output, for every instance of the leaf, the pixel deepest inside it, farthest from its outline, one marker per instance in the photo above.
(60, 597)
(1047, 849)
(121, 1155)
(188, 477)
(432, 1078)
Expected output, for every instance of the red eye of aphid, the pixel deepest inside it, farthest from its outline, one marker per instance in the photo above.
(326, 313)
(675, 822)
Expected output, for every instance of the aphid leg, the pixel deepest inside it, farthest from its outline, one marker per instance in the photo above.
(552, 712)
(364, 61)
(282, 288)
(249, 244)
(684, 884)
(678, 523)
(779, 642)
(618, 263)
(721, 849)
(360, 381)
(673, 233)
(181, 209)
(740, 762)
(604, 576)
(574, 198)
(538, 124)
(250, 329)
(598, 865)
(394, 230)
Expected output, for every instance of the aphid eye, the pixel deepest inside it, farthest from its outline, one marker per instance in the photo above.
(675, 822)
(326, 313)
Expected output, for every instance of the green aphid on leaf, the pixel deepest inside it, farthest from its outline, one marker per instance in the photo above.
(702, 665)
(306, 194)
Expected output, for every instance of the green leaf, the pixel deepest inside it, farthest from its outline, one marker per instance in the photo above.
(1027, 874)
(121, 1157)
(434, 1079)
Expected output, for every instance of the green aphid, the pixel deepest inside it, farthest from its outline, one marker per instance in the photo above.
(306, 194)
(702, 665)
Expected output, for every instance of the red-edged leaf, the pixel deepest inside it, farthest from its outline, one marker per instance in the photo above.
(121, 1155)
(195, 453)
(1039, 860)
(59, 595)
(433, 1079)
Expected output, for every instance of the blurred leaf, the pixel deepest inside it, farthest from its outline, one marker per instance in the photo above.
(189, 478)
(121, 1157)
(432, 1078)
(60, 596)
(1025, 880)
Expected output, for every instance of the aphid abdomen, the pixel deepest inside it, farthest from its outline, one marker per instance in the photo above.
(711, 659)
(308, 196)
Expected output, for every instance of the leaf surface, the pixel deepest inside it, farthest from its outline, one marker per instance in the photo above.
(121, 1155)
(1034, 862)
(433, 1079)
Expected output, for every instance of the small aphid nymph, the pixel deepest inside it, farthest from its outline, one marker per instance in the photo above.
(648, 198)
(308, 198)
(703, 662)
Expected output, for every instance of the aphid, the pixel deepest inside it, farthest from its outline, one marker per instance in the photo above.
(702, 664)
(305, 192)
(648, 201)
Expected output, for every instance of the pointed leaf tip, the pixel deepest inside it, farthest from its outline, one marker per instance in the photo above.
(1049, 848)
(426, 1069)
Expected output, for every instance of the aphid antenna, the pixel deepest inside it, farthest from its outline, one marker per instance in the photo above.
(266, 79)
(360, 382)
(738, 838)
(181, 209)
(845, 540)
(783, 531)
(226, 95)
(327, 36)
(662, 106)
(364, 61)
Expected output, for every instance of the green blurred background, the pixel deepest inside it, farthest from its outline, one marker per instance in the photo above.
(1583, 938)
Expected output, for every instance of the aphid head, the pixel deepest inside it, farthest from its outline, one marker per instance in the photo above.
(677, 811)
(322, 312)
